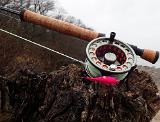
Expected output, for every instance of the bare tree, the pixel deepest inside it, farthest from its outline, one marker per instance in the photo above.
(4, 2)
(39, 6)
(42, 6)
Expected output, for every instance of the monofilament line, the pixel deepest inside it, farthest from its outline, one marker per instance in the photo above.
(39, 45)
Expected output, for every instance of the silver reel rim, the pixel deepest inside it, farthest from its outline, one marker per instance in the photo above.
(129, 52)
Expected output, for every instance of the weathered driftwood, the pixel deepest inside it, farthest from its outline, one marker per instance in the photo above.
(64, 95)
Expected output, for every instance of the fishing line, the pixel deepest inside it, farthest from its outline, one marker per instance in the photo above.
(39, 45)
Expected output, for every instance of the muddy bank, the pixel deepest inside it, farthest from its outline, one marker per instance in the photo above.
(65, 96)
(154, 72)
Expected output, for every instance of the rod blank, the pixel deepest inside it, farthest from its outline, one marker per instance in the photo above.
(74, 30)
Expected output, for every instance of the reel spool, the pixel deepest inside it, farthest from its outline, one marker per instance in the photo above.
(109, 57)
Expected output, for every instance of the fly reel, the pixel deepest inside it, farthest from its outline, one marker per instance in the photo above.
(109, 57)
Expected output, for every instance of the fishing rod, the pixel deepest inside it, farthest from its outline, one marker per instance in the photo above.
(104, 55)
(74, 30)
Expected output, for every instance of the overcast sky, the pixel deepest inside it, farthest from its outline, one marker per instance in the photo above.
(135, 21)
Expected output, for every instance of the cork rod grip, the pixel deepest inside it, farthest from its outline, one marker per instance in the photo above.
(150, 55)
(59, 26)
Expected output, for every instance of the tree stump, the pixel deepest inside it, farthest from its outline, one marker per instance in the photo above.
(64, 96)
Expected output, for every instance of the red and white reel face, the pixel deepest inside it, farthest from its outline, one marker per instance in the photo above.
(117, 57)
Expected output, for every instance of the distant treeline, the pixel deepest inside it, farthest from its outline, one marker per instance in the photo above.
(43, 7)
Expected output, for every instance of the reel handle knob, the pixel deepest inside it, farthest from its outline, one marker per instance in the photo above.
(112, 36)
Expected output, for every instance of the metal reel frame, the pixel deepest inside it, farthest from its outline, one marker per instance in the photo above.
(98, 47)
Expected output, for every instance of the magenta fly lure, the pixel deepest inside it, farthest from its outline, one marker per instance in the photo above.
(107, 80)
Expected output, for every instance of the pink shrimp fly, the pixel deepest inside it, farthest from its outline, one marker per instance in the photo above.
(107, 80)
